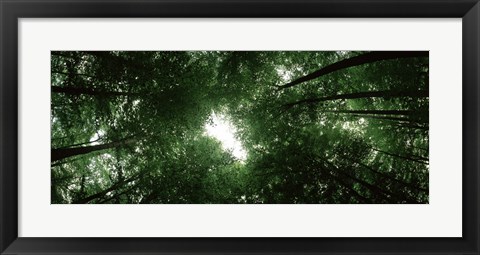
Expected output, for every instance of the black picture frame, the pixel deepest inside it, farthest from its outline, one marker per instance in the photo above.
(11, 11)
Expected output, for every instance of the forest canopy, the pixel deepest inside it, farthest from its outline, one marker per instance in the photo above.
(228, 127)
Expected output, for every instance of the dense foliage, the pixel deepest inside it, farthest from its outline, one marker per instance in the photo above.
(315, 127)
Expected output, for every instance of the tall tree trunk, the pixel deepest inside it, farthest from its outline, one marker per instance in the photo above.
(118, 194)
(91, 92)
(346, 185)
(416, 159)
(382, 112)
(406, 184)
(82, 185)
(375, 190)
(402, 122)
(412, 126)
(61, 153)
(425, 129)
(351, 190)
(356, 61)
(384, 118)
(379, 192)
(104, 192)
(383, 94)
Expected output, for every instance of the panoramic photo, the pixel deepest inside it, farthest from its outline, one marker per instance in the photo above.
(239, 127)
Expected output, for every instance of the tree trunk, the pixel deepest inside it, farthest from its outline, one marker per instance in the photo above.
(418, 160)
(356, 61)
(383, 94)
(379, 192)
(387, 195)
(406, 184)
(402, 122)
(61, 153)
(382, 112)
(412, 126)
(351, 190)
(117, 195)
(104, 192)
(383, 118)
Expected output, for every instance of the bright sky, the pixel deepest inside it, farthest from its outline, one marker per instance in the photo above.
(223, 130)
(284, 74)
(94, 138)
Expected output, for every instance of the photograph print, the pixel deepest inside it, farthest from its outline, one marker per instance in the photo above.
(239, 127)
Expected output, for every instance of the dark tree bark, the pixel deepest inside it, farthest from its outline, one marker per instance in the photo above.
(61, 153)
(91, 92)
(351, 190)
(104, 192)
(381, 112)
(407, 157)
(118, 194)
(387, 195)
(339, 174)
(384, 118)
(371, 94)
(377, 191)
(82, 185)
(406, 184)
(412, 126)
(356, 61)
(402, 122)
